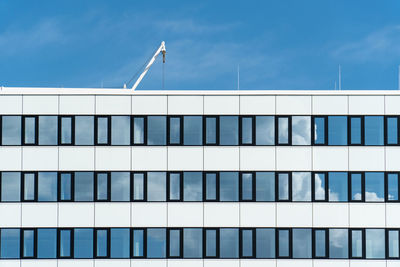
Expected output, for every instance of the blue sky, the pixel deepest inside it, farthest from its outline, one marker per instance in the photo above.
(279, 44)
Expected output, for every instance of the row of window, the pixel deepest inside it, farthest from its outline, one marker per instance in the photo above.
(199, 130)
(200, 186)
(224, 243)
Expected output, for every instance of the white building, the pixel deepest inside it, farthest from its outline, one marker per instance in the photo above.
(110, 177)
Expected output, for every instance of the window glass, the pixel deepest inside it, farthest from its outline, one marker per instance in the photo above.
(138, 186)
(192, 243)
(174, 186)
(301, 186)
(356, 193)
(47, 243)
(283, 182)
(320, 243)
(192, 186)
(393, 243)
(102, 130)
(156, 243)
(120, 186)
(156, 186)
(101, 242)
(228, 243)
(247, 243)
(84, 130)
(11, 130)
(138, 130)
(265, 243)
(193, 130)
(84, 186)
(375, 243)
(175, 130)
(265, 186)
(65, 243)
(120, 130)
(301, 130)
(393, 186)
(48, 130)
(66, 130)
(392, 131)
(247, 130)
(356, 243)
(174, 243)
(47, 186)
(229, 186)
(66, 184)
(337, 130)
(228, 130)
(373, 130)
(283, 130)
(138, 243)
(10, 186)
(29, 243)
(156, 130)
(283, 243)
(29, 186)
(338, 243)
(265, 130)
(120, 243)
(337, 186)
(102, 186)
(319, 131)
(211, 243)
(302, 240)
(374, 186)
(211, 130)
(247, 186)
(30, 130)
(319, 185)
(10, 243)
(83, 243)
(211, 186)
(355, 128)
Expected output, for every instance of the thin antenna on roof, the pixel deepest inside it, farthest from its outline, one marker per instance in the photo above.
(399, 77)
(238, 77)
(340, 77)
(335, 85)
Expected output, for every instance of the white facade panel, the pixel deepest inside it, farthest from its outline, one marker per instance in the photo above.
(294, 263)
(393, 263)
(40, 104)
(149, 214)
(149, 158)
(257, 263)
(292, 105)
(149, 105)
(118, 105)
(331, 214)
(10, 158)
(221, 215)
(76, 214)
(12, 212)
(293, 158)
(39, 263)
(392, 105)
(221, 105)
(112, 263)
(185, 263)
(257, 105)
(185, 158)
(149, 263)
(329, 105)
(112, 214)
(294, 215)
(185, 214)
(39, 215)
(368, 263)
(366, 158)
(331, 263)
(257, 158)
(221, 263)
(76, 263)
(392, 158)
(257, 214)
(76, 158)
(40, 158)
(11, 104)
(330, 158)
(185, 105)
(221, 158)
(113, 158)
(366, 105)
(367, 215)
(393, 215)
(10, 263)
(77, 105)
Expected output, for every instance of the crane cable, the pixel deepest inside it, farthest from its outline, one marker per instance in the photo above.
(141, 68)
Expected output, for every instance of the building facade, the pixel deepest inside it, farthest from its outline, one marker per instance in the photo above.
(109, 177)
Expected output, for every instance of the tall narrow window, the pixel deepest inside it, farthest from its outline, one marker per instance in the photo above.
(174, 130)
(47, 186)
(102, 186)
(247, 243)
(174, 243)
(30, 130)
(283, 130)
(193, 130)
(337, 183)
(229, 243)
(211, 131)
(192, 186)
(373, 130)
(356, 243)
(138, 186)
(283, 243)
(393, 243)
(283, 186)
(138, 243)
(265, 243)
(247, 130)
(229, 186)
(356, 187)
(392, 130)
(356, 130)
(211, 186)
(211, 243)
(319, 130)
(228, 130)
(102, 130)
(301, 243)
(156, 186)
(66, 131)
(29, 186)
(138, 130)
(320, 186)
(392, 186)
(66, 186)
(374, 186)
(48, 130)
(84, 130)
(337, 130)
(156, 130)
(247, 186)
(101, 243)
(301, 130)
(265, 186)
(175, 186)
(265, 130)
(28, 243)
(120, 186)
(65, 243)
(120, 130)
(301, 186)
(320, 243)
(11, 130)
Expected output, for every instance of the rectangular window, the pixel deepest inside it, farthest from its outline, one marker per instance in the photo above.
(229, 243)
(375, 243)
(320, 186)
(138, 243)
(319, 130)
(65, 243)
(211, 243)
(156, 130)
(103, 135)
(374, 187)
(211, 186)
(301, 186)
(320, 243)
(356, 243)
(10, 186)
(192, 130)
(84, 186)
(283, 186)
(283, 243)
(28, 243)
(192, 186)
(393, 243)
(156, 243)
(193, 243)
(247, 243)
(10, 243)
(356, 187)
(247, 130)
(46, 243)
(47, 186)
(283, 130)
(66, 130)
(392, 130)
(337, 184)
(48, 130)
(265, 243)
(120, 243)
(228, 130)
(11, 130)
(120, 130)
(338, 243)
(392, 186)
(337, 130)
(138, 186)
(373, 130)
(356, 130)
(174, 243)
(101, 243)
(229, 186)
(30, 130)
(175, 186)
(301, 243)
(174, 130)
(138, 130)
(265, 186)
(102, 186)
(84, 130)
(247, 186)
(156, 186)
(265, 130)
(66, 186)
(120, 186)
(211, 131)
(29, 186)
(301, 130)
(83, 243)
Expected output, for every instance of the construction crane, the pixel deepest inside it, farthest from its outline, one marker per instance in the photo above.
(160, 50)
